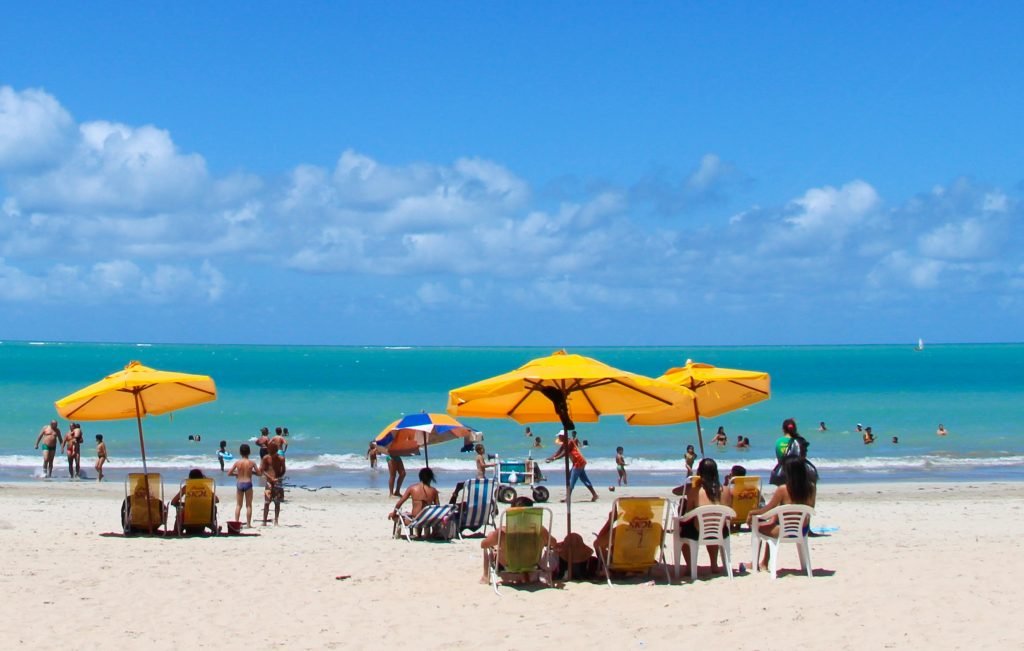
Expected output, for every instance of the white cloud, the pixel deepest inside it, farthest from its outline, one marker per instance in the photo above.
(958, 241)
(35, 130)
(116, 167)
(111, 280)
(114, 212)
(711, 171)
(833, 209)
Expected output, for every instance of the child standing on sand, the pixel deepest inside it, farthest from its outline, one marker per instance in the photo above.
(620, 466)
(243, 470)
(101, 456)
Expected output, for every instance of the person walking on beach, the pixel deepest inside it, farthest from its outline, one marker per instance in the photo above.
(272, 469)
(243, 470)
(49, 437)
(620, 466)
(571, 447)
(101, 456)
(371, 454)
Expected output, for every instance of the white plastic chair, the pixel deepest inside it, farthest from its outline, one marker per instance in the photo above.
(793, 526)
(712, 523)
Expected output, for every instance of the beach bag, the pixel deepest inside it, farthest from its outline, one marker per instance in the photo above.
(778, 476)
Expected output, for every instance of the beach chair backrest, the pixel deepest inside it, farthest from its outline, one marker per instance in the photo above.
(793, 520)
(479, 500)
(136, 489)
(746, 495)
(523, 538)
(637, 532)
(197, 501)
(712, 521)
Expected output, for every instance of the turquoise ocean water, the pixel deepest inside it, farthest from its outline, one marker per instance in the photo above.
(335, 399)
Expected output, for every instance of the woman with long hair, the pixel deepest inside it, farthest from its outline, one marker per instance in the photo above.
(705, 488)
(798, 489)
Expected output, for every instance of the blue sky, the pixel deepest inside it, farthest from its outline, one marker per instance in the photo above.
(513, 173)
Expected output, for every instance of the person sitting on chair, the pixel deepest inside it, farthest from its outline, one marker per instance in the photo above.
(178, 501)
(421, 494)
(490, 543)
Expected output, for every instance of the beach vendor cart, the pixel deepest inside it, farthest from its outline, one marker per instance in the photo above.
(524, 474)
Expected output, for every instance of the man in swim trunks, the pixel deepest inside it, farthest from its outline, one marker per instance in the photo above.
(243, 470)
(272, 468)
(50, 438)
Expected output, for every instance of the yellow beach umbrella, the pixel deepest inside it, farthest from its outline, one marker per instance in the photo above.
(135, 392)
(588, 388)
(715, 391)
(564, 388)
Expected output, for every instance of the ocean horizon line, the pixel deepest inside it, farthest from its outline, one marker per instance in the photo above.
(406, 346)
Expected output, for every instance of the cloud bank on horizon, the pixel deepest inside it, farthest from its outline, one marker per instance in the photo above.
(98, 217)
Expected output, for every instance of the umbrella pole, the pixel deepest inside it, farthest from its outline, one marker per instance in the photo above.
(145, 470)
(426, 452)
(700, 437)
(568, 506)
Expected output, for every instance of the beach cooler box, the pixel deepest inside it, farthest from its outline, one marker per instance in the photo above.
(524, 474)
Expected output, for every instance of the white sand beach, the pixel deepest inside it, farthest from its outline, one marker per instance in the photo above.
(910, 566)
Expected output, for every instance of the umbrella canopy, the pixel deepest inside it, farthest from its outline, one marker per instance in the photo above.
(563, 388)
(406, 435)
(135, 392)
(589, 388)
(715, 391)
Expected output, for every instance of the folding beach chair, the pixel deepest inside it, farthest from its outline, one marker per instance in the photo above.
(746, 496)
(135, 516)
(636, 536)
(479, 508)
(197, 508)
(436, 521)
(526, 543)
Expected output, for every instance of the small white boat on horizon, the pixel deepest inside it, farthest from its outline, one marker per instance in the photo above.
(920, 344)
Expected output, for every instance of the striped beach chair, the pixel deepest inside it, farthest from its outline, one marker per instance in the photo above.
(479, 508)
(435, 520)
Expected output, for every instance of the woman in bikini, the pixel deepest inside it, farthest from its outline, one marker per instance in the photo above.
(798, 489)
(421, 494)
